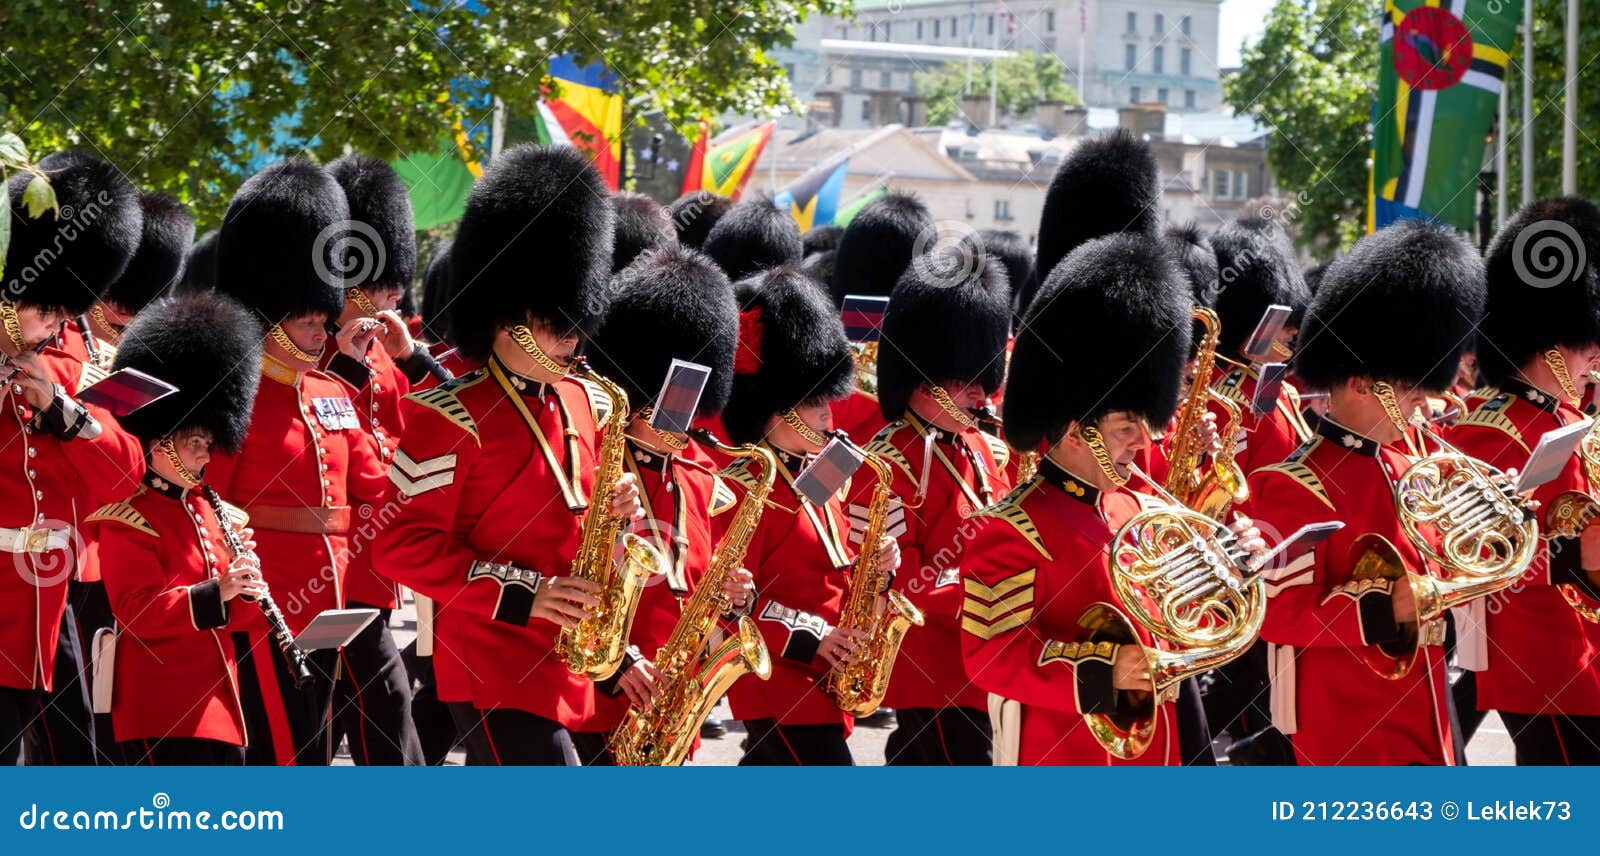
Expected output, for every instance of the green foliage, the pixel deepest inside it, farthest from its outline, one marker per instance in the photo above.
(1024, 80)
(183, 94)
(38, 196)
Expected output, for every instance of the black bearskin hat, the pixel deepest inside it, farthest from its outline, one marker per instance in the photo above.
(947, 320)
(281, 251)
(695, 213)
(1196, 260)
(536, 238)
(1256, 268)
(821, 239)
(1013, 252)
(672, 302)
(1313, 277)
(207, 346)
(752, 237)
(200, 268)
(878, 245)
(1108, 332)
(1399, 307)
(642, 224)
(379, 199)
(437, 294)
(1108, 183)
(67, 261)
(792, 349)
(1544, 284)
(158, 263)
(820, 268)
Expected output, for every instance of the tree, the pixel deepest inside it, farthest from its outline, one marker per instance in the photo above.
(1024, 80)
(1311, 78)
(37, 197)
(184, 95)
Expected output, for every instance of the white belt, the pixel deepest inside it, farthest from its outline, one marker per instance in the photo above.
(34, 540)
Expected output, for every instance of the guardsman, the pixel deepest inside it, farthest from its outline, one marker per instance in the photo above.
(941, 357)
(694, 214)
(495, 469)
(1356, 677)
(793, 361)
(1535, 647)
(752, 237)
(306, 460)
(54, 451)
(642, 225)
(177, 589)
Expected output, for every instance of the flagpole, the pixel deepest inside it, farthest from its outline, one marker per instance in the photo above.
(1083, 47)
(994, 73)
(1527, 101)
(1500, 180)
(1569, 131)
(972, 24)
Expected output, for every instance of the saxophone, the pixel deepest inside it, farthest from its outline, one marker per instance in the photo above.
(695, 676)
(1208, 490)
(596, 646)
(859, 687)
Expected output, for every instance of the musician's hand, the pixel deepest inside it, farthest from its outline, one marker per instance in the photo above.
(243, 577)
(36, 385)
(1130, 669)
(739, 586)
(625, 503)
(396, 335)
(889, 554)
(840, 647)
(1404, 601)
(1250, 541)
(1210, 437)
(641, 684)
(356, 337)
(565, 601)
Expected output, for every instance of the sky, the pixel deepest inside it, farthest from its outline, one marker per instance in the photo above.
(1242, 21)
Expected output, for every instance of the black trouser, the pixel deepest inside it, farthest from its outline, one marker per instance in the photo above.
(1237, 700)
(468, 723)
(93, 609)
(768, 744)
(940, 737)
(1554, 739)
(372, 701)
(506, 737)
(180, 752)
(19, 710)
(594, 748)
(1194, 733)
(64, 733)
(430, 717)
(306, 710)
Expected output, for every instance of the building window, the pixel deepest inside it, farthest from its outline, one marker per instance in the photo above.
(1159, 60)
(886, 80)
(1184, 25)
(844, 32)
(1049, 22)
(1241, 184)
(1133, 95)
(1130, 57)
(827, 75)
(855, 78)
(991, 25)
(936, 23)
(872, 32)
(953, 26)
(1161, 95)
(919, 31)
(1161, 23)
(788, 68)
(1219, 182)
(1183, 61)
(1188, 98)
(866, 110)
(1133, 22)
(886, 36)
(1002, 210)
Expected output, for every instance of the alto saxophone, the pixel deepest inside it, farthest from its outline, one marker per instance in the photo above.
(1182, 577)
(693, 675)
(595, 647)
(859, 687)
(1208, 490)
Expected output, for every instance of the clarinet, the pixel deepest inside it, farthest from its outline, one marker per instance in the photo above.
(299, 666)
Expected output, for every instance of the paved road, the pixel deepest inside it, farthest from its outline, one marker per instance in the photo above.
(1491, 746)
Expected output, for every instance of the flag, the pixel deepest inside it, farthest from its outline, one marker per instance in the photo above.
(849, 212)
(585, 113)
(1441, 66)
(724, 165)
(813, 198)
(438, 182)
(863, 317)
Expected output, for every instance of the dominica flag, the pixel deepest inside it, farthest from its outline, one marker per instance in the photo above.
(581, 109)
(1441, 66)
(813, 198)
(723, 165)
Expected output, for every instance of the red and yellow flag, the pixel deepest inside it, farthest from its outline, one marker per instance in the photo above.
(723, 166)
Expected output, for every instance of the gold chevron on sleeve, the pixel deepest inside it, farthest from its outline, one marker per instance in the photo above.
(126, 514)
(990, 594)
(989, 631)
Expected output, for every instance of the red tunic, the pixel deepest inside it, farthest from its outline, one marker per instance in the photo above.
(116, 472)
(304, 459)
(1038, 562)
(1334, 706)
(966, 473)
(493, 469)
(1542, 656)
(1260, 441)
(801, 564)
(858, 415)
(163, 550)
